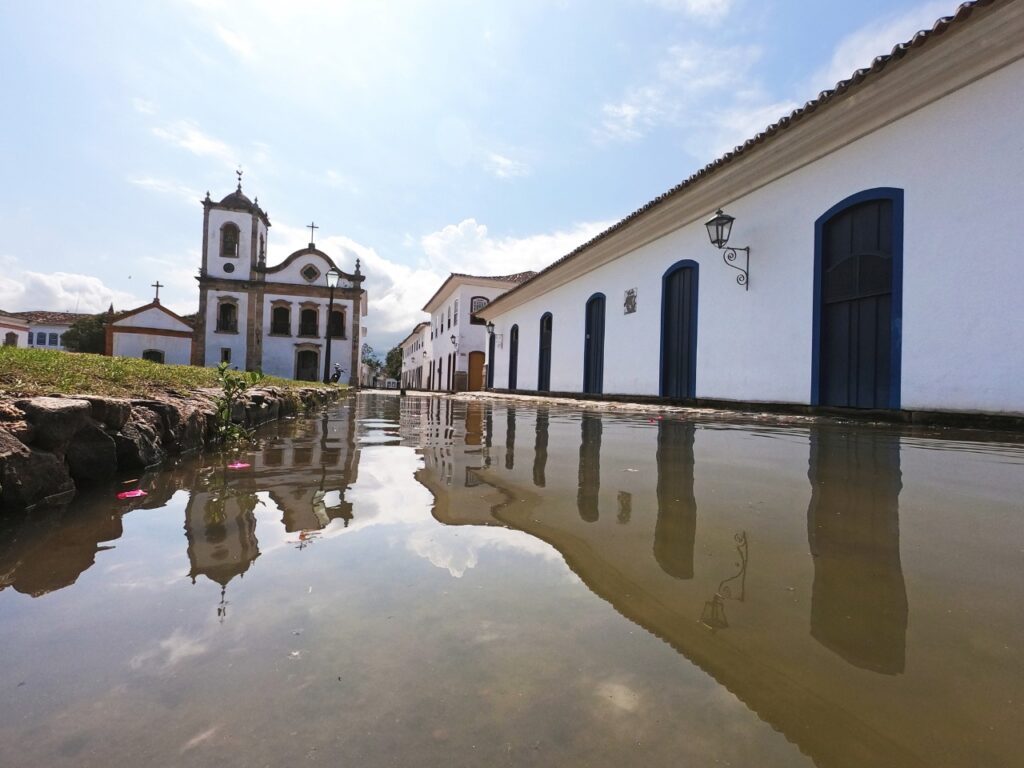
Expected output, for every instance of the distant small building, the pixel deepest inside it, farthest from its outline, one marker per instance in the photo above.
(47, 329)
(14, 329)
(416, 357)
(457, 338)
(151, 332)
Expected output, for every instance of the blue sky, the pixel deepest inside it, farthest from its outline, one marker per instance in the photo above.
(422, 137)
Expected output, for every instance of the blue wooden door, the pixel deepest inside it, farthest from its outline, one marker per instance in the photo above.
(593, 346)
(544, 357)
(856, 315)
(513, 357)
(679, 332)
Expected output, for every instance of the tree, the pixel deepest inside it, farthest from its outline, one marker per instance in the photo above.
(393, 363)
(89, 334)
(370, 360)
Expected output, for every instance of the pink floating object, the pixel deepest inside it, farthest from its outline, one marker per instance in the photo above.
(134, 494)
(238, 465)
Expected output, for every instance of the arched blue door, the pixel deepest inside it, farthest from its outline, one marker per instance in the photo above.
(593, 346)
(679, 331)
(544, 356)
(513, 357)
(857, 302)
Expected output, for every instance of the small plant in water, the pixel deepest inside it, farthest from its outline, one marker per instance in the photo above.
(233, 385)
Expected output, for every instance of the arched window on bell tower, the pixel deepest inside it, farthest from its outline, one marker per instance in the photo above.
(229, 236)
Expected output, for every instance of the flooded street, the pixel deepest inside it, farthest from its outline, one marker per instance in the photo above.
(425, 581)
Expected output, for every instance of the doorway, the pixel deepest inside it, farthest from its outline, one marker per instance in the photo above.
(679, 331)
(307, 365)
(593, 346)
(544, 356)
(476, 371)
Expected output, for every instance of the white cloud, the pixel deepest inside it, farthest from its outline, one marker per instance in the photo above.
(59, 292)
(858, 49)
(167, 187)
(505, 167)
(338, 180)
(238, 43)
(686, 95)
(187, 135)
(469, 247)
(706, 10)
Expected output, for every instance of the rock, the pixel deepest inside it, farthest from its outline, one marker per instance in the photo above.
(111, 412)
(54, 420)
(30, 477)
(91, 455)
(138, 443)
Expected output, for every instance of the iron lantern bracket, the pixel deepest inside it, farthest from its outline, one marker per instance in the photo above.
(730, 256)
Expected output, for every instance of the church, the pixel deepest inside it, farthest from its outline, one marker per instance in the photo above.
(299, 319)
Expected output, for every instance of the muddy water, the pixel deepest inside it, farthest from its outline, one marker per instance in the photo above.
(426, 582)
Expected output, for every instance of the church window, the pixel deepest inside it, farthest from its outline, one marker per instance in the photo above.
(338, 324)
(281, 321)
(308, 323)
(310, 272)
(227, 317)
(153, 355)
(53, 340)
(229, 268)
(229, 236)
(11, 339)
(225, 354)
(477, 303)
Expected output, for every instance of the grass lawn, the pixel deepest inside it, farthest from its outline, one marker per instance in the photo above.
(41, 372)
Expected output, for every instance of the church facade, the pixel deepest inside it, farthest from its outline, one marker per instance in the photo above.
(274, 319)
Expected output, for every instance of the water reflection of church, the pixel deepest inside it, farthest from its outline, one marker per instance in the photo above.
(302, 466)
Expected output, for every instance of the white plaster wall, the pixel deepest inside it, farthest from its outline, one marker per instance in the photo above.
(293, 272)
(470, 338)
(279, 351)
(234, 341)
(177, 351)
(21, 333)
(960, 162)
(60, 330)
(153, 318)
(214, 262)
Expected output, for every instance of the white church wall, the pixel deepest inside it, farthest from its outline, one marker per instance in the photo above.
(959, 163)
(279, 351)
(293, 272)
(177, 350)
(216, 341)
(218, 266)
(19, 330)
(153, 318)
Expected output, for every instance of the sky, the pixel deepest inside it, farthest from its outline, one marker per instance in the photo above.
(422, 137)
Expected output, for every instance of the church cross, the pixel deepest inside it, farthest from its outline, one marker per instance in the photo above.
(311, 226)
(158, 286)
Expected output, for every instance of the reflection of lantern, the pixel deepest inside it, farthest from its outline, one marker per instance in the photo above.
(713, 615)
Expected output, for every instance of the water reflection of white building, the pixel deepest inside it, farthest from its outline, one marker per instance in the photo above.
(697, 532)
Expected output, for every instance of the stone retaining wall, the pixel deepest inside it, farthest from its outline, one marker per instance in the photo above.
(51, 445)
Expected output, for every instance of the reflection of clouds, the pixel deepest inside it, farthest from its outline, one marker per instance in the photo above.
(457, 552)
(618, 696)
(169, 651)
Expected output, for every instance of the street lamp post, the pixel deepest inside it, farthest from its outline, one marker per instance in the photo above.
(333, 276)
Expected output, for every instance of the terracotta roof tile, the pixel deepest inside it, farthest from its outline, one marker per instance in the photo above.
(43, 317)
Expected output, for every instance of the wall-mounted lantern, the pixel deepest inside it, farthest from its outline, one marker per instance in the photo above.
(719, 228)
(490, 328)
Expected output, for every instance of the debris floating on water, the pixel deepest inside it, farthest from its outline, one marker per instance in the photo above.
(133, 494)
(238, 465)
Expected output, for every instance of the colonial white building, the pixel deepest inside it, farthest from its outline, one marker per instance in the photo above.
(151, 332)
(47, 329)
(457, 339)
(272, 318)
(15, 329)
(416, 357)
(882, 221)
